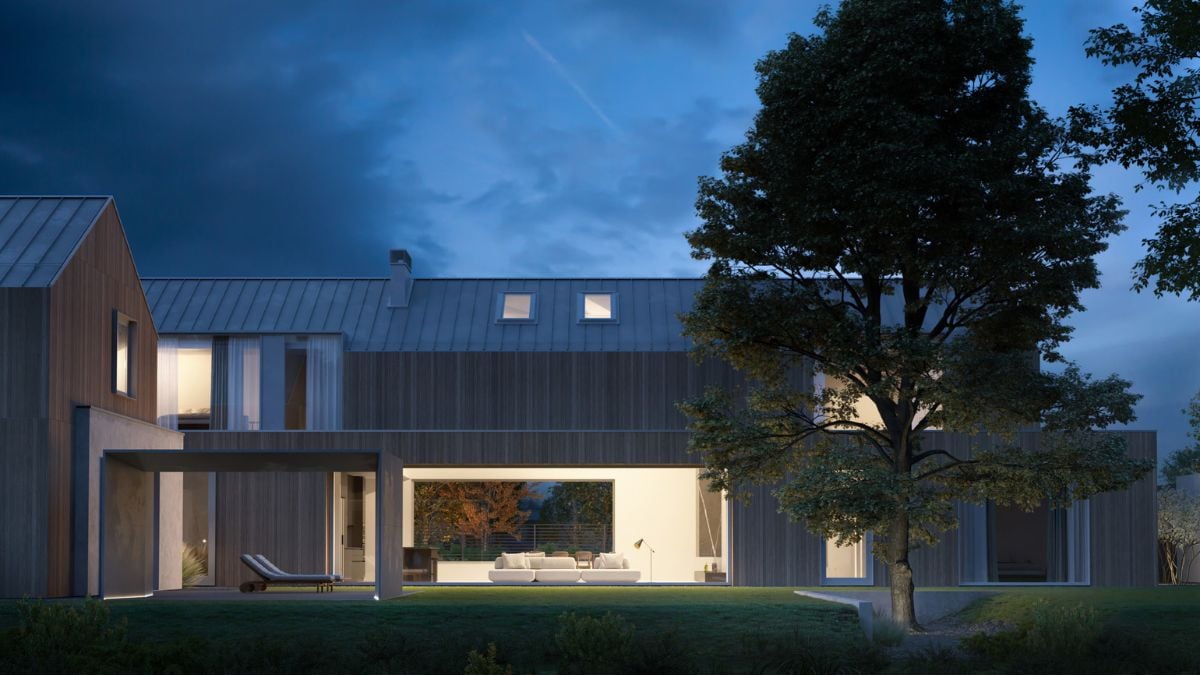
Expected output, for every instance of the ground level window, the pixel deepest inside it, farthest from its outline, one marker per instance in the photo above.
(1007, 544)
(847, 565)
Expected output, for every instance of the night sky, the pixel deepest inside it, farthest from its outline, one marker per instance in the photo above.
(549, 139)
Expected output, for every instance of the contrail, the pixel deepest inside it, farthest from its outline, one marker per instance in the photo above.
(562, 72)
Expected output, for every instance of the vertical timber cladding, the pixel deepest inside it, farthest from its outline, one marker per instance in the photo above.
(1124, 524)
(99, 278)
(282, 515)
(525, 390)
(24, 381)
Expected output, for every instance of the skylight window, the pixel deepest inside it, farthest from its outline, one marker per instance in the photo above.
(598, 307)
(517, 307)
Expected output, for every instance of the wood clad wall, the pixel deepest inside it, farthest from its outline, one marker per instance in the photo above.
(524, 390)
(283, 516)
(473, 448)
(24, 381)
(1124, 525)
(99, 278)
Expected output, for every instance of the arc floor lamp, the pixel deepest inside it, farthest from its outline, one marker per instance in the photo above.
(638, 546)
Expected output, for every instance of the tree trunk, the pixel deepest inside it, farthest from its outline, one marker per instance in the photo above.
(904, 611)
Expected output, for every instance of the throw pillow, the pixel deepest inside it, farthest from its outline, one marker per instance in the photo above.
(515, 561)
(610, 561)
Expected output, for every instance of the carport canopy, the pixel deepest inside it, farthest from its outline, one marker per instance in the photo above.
(127, 532)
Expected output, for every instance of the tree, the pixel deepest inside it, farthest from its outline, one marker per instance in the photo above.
(1178, 533)
(1187, 460)
(491, 507)
(578, 503)
(897, 221)
(436, 510)
(1153, 124)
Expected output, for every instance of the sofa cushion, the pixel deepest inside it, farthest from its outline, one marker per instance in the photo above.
(511, 576)
(535, 554)
(548, 563)
(609, 561)
(515, 561)
(557, 576)
(607, 576)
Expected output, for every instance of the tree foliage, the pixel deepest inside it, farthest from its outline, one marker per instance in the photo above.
(490, 507)
(1187, 460)
(1153, 125)
(578, 502)
(899, 222)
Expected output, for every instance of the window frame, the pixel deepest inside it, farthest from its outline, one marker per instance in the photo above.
(131, 349)
(581, 307)
(533, 307)
(868, 565)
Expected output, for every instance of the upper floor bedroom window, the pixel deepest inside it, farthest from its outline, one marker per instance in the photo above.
(124, 354)
(516, 307)
(600, 307)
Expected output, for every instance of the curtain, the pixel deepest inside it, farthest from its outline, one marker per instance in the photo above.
(323, 383)
(168, 382)
(1056, 545)
(242, 389)
(220, 383)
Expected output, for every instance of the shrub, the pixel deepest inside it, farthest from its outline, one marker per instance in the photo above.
(802, 654)
(1053, 637)
(593, 644)
(64, 637)
(195, 565)
(486, 663)
(886, 632)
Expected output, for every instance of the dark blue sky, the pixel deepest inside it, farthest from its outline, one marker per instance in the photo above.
(556, 138)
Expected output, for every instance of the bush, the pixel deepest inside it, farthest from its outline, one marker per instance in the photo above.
(802, 654)
(594, 644)
(886, 632)
(62, 637)
(195, 565)
(1053, 637)
(486, 663)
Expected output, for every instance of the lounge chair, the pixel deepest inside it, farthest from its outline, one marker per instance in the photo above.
(271, 575)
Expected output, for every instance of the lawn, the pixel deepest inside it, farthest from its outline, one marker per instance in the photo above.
(718, 628)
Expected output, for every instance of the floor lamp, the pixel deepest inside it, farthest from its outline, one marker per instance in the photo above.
(638, 545)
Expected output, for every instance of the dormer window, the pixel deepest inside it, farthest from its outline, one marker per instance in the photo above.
(598, 307)
(517, 307)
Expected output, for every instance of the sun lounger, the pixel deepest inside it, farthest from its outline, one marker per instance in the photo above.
(271, 575)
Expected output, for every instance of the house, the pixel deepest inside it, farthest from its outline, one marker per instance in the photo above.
(551, 403)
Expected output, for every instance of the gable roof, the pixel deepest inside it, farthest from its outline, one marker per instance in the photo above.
(38, 235)
(443, 314)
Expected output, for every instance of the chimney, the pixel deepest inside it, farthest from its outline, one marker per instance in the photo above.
(401, 287)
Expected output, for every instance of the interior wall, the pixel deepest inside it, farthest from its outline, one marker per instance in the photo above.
(655, 504)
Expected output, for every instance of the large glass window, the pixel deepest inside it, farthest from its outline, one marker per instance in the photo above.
(848, 564)
(1007, 544)
(313, 382)
(124, 354)
(209, 382)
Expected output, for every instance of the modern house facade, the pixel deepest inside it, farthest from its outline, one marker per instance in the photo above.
(549, 405)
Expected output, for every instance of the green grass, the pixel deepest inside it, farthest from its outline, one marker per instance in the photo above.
(1157, 628)
(715, 625)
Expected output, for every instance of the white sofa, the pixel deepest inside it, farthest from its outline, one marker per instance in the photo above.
(562, 570)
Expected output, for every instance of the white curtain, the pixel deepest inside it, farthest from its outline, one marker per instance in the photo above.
(244, 376)
(168, 382)
(323, 382)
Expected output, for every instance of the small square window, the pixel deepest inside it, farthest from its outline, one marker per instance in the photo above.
(124, 354)
(598, 307)
(517, 307)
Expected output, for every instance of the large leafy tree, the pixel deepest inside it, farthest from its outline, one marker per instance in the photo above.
(578, 504)
(1153, 124)
(898, 221)
(490, 507)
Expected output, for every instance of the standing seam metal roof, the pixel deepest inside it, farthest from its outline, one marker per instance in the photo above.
(38, 235)
(443, 314)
